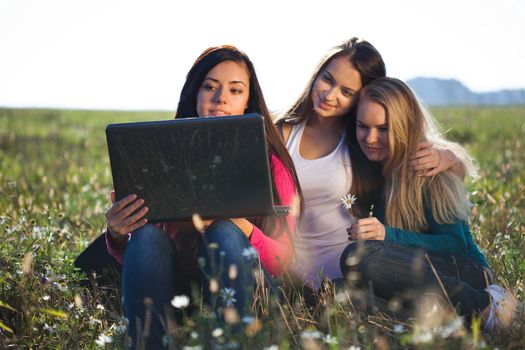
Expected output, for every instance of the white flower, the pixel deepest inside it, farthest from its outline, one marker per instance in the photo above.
(399, 328)
(311, 334)
(101, 307)
(217, 332)
(103, 339)
(180, 301)
(250, 253)
(46, 297)
(228, 296)
(330, 340)
(271, 347)
(348, 200)
(195, 347)
(166, 340)
(422, 338)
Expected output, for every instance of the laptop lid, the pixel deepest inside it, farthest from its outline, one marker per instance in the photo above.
(216, 167)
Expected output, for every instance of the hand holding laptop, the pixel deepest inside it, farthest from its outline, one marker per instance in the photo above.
(125, 216)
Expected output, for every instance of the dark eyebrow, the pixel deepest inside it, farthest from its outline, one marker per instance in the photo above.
(231, 82)
(237, 82)
(332, 77)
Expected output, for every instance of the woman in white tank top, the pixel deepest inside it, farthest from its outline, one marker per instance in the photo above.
(314, 129)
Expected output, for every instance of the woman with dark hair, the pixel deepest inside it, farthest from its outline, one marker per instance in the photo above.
(317, 133)
(417, 239)
(156, 265)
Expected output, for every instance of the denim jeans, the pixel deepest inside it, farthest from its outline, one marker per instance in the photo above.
(394, 270)
(152, 269)
(222, 245)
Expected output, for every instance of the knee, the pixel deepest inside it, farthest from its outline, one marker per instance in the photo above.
(148, 234)
(226, 237)
(356, 256)
(224, 233)
(149, 241)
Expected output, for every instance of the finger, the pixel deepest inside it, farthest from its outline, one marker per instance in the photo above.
(120, 205)
(113, 197)
(423, 145)
(129, 223)
(428, 173)
(366, 221)
(425, 163)
(127, 211)
(358, 231)
(424, 167)
(138, 225)
(420, 156)
(135, 221)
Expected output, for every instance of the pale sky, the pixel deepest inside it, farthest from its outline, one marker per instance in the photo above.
(125, 54)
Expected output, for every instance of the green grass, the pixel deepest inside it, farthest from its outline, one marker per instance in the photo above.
(54, 188)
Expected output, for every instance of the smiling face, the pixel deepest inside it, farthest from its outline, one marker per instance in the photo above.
(335, 89)
(225, 90)
(372, 130)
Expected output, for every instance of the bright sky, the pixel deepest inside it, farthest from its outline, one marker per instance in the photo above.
(125, 54)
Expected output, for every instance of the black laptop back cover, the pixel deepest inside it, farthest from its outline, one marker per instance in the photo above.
(216, 167)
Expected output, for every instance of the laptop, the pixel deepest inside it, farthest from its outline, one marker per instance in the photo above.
(216, 167)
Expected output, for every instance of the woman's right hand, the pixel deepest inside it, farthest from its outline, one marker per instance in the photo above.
(121, 217)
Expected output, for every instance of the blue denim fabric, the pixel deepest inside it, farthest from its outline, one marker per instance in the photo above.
(395, 270)
(151, 269)
(222, 245)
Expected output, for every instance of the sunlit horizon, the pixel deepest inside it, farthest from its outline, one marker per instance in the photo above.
(134, 55)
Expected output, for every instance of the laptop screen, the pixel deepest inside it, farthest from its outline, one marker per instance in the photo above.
(216, 167)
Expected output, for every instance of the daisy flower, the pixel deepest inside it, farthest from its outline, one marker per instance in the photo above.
(348, 200)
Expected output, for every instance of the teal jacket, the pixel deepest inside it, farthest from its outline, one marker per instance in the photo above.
(453, 238)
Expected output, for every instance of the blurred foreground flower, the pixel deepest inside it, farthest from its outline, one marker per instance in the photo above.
(198, 222)
(103, 339)
(250, 253)
(228, 296)
(180, 301)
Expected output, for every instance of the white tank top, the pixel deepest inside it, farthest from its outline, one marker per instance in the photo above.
(321, 236)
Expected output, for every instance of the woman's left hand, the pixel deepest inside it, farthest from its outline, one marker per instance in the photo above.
(368, 229)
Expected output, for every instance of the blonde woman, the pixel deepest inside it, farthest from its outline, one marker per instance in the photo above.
(412, 216)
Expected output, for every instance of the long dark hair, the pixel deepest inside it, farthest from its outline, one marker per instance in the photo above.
(365, 58)
(187, 107)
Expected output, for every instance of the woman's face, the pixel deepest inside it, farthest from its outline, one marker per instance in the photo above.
(225, 90)
(335, 89)
(372, 130)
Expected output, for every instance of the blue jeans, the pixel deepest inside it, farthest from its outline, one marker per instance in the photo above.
(395, 270)
(223, 244)
(152, 269)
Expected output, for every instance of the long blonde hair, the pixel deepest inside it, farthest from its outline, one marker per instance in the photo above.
(406, 194)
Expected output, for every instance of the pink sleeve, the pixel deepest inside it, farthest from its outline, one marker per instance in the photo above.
(118, 254)
(276, 253)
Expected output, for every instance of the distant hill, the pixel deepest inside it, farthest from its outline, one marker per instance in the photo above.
(444, 92)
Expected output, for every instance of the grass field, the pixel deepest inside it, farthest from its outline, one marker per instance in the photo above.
(54, 188)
